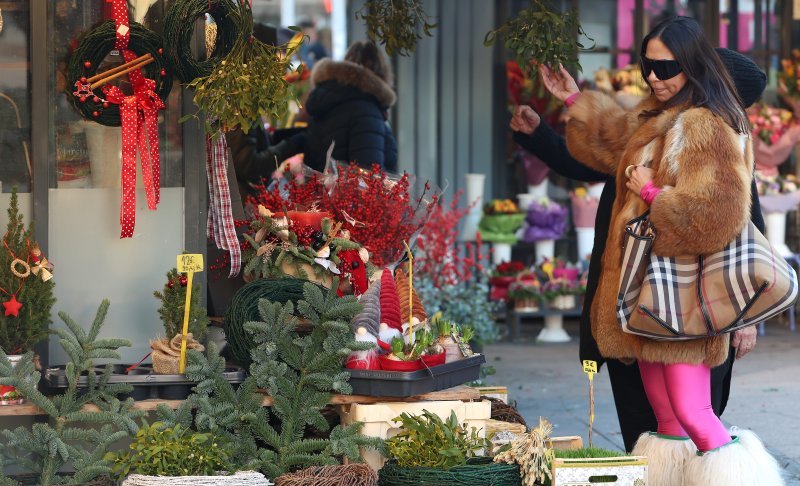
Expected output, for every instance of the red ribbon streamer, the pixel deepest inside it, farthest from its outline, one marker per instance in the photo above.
(220, 223)
(139, 117)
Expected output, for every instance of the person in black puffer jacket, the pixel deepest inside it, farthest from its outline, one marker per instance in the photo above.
(349, 106)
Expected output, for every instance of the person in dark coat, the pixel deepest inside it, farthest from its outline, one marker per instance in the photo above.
(349, 106)
(633, 408)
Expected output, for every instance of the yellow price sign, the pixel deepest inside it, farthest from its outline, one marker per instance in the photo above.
(590, 368)
(190, 262)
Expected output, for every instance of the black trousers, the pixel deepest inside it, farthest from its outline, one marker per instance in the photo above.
(634, 411)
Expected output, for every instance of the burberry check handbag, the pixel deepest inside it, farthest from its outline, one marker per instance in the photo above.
(691, 297)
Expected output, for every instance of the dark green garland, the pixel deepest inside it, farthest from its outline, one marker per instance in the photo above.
(478, 471)
(91, 52)
(179, 27)
(244, 308)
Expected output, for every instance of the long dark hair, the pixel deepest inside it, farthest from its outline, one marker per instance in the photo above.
(708, 82)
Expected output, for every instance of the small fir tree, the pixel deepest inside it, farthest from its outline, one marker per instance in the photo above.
(46, 447)
(299, 372)
(20, 333)
(173, 303)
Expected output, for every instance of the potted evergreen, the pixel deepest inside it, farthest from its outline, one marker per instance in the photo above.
(166, 351)
(26, 286)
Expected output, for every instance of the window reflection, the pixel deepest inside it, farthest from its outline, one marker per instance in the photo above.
(15, 127)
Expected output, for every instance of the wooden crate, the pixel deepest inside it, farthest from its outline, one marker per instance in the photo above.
(626, 470)
(566, 443)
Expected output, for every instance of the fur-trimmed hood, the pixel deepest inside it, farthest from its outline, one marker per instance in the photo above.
(350, 74)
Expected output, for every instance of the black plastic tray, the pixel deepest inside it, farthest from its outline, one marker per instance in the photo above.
(146, 384)
(406, 384)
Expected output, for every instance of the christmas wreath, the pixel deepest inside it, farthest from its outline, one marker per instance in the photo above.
(221, 34)
(93, 49)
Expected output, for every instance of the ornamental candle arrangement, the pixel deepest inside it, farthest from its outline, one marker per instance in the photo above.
(306, 245)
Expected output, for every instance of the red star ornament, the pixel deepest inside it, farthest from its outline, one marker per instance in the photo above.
(12, 307)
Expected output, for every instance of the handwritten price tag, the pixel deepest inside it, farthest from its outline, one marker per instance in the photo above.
(187, 263)
(190, 262)
(589, 366)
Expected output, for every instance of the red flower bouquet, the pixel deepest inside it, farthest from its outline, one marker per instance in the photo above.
(774, 136)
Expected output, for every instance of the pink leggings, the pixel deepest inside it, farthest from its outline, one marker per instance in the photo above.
(680, 395)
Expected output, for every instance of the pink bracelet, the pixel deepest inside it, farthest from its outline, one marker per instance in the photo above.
(571, 100)
(649, 192)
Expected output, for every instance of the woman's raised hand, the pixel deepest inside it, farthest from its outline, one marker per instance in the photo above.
(560, 84)
(525, 120)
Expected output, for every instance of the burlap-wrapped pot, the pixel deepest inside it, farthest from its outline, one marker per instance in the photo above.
(241, 478)
(167, 353)
(346, 475)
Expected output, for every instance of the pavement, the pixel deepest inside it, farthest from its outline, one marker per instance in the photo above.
(547, 380)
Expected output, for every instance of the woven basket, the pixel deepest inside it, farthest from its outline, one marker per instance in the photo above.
(478, 471)
(347, 475)
(241, 478)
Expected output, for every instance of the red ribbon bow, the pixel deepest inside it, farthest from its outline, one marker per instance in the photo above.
(139, 116)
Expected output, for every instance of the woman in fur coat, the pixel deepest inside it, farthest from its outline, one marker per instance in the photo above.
(684, 153)
(349, 106)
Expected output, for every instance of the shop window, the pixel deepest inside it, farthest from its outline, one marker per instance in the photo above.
(15, 127)
(88, 154)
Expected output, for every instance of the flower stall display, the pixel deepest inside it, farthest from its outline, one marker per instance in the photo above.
(502, 276)
(547, 221)
(584, 211)
(526, 294)
(378, 210)
(499, 224)
(561, 285)
(453, 280)
(777, 195)
(775, 134)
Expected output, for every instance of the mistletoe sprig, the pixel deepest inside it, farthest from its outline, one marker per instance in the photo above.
(543, 36)
(395, 24)
(248, 83)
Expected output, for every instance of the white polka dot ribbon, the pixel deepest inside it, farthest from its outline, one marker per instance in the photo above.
(139, 117)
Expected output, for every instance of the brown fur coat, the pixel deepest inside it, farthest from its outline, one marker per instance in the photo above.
(697, 158)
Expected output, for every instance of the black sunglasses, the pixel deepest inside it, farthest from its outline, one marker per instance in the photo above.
(664, 69)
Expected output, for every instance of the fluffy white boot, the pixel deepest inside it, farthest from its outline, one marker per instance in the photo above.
(742, 462)
(666, 457)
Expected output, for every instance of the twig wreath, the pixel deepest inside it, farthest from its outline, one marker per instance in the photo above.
(93, 49)
(178, 29)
